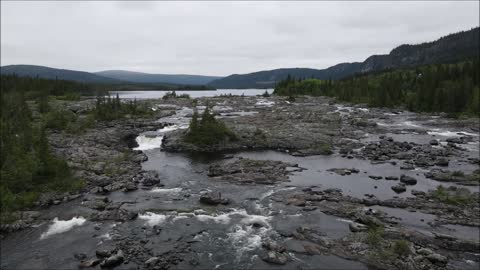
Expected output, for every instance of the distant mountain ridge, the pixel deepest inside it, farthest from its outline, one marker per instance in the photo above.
(54, 73)
(451, 48)
(140, 77)
(107, 77)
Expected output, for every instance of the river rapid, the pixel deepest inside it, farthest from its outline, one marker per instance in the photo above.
(174, 227)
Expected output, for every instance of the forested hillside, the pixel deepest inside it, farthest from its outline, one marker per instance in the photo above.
(449, 49)
(451, 88)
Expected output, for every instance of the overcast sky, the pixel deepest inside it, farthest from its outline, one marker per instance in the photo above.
(218, 38)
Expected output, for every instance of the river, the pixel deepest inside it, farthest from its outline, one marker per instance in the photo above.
(228, 237)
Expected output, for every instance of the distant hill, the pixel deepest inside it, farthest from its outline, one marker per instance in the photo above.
(52, 73)
(139, 77)
(448, 49)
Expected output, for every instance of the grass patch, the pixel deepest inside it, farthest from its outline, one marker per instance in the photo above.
(460, 196)
(458, 173)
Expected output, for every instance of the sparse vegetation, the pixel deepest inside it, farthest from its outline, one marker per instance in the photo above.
(108, 108)
(458, 173)
(173, 94)
(401, 248)
(457, 196)
(374, 236)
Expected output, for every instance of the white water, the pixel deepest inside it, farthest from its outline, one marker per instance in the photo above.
(148, 142)
(447, 133)
(153, 219)
(166, 190)
(61, 226)
(264, 102)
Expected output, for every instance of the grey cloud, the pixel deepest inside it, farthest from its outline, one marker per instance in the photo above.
(218, 38)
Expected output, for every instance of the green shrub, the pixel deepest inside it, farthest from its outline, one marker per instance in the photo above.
(59, 119)
(458, 173)
(374, 236)
(81, 124)
(207, 131)
(401, 248)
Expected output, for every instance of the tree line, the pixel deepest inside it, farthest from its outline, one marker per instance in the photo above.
(28, 167)
(27, 164)
(450, 88)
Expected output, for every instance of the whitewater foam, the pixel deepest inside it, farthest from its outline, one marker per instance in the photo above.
(153, 219)
(147, 142)
(264, 102)
(61, 226)
(166, 190)
(447, 133)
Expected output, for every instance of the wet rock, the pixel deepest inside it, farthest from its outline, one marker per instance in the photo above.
(357, 227)
(456, 140)
(213, 198)
(407, 166)
(368, 220)
(249, 171)
(80, 256)
(275, 258)
(130, 186)
(152, 261)
(274, 246)
(150, 178)
(417, 192)
(399, 188)
(437, 258)
(424, 251)
(391, 178)
(434, 142)
(442, 162)
(332, 190)
(113, 260)
(408, 180)
(89, 263)
(343, 171)
(114, 214)
(297, 201)
(102, 253)
(375, 177)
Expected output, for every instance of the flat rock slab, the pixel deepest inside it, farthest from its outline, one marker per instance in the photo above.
(249, 171)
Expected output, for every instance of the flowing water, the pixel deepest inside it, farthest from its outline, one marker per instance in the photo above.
(230, 236)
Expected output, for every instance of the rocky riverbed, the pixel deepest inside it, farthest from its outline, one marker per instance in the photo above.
(309, 184)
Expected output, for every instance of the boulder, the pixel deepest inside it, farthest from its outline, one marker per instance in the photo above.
(408, 180)
(399, 188)
(357, 227)
(274, 246)
(434, 142)
(275, 258)
(442, 162)
(113, 260)
(213, 198)
(437, 258)
(130, 186)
